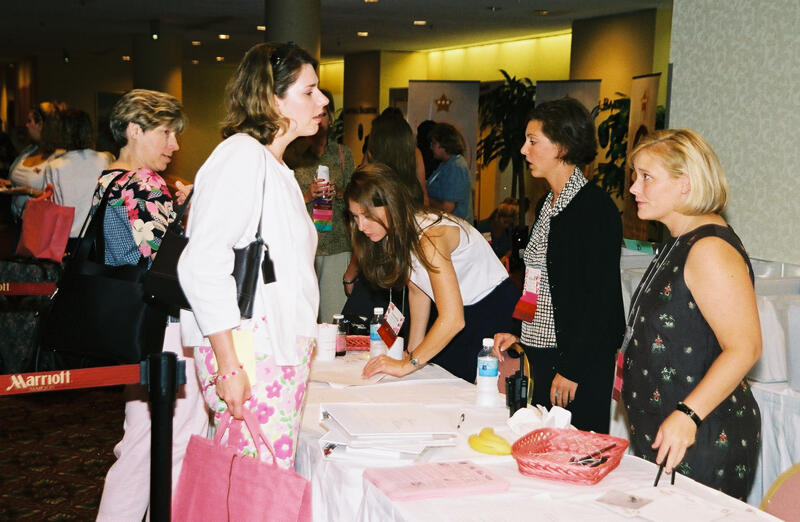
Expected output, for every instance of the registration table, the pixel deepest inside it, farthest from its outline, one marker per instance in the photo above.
(340, 493)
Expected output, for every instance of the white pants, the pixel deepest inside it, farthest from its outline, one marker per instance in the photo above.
(126, 494)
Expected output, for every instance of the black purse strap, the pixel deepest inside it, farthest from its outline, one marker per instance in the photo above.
(180, 211)
(93, 234)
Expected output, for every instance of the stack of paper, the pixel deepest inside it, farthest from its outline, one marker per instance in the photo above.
(392, 431)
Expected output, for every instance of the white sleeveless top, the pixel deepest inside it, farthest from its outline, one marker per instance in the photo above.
(476, 265)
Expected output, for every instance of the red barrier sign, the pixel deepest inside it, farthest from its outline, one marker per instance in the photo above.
(69, 379)
(12, 288)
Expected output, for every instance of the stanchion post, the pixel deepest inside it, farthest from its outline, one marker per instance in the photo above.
(162, 373)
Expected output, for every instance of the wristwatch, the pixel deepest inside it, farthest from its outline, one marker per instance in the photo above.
(415, 362)
(683, 408)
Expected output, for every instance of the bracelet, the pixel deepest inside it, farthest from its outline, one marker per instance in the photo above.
(681, 407)
(346, 282)
(217, 377)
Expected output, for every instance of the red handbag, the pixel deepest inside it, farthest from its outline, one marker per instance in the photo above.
(45, 228)
(218, 483)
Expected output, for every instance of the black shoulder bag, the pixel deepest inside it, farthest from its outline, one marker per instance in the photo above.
(162, 285)
(98, 315)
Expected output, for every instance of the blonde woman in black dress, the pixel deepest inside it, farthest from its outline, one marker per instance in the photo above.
(693, 328)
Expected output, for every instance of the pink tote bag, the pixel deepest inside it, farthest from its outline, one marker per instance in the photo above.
(45, 228)
(217, 483)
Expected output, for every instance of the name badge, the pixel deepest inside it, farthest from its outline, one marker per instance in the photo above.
(526, 306)
(390, 326)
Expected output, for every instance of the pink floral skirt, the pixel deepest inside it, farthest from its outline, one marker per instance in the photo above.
(277, 400)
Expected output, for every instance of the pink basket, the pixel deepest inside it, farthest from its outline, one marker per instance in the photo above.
(546, 453)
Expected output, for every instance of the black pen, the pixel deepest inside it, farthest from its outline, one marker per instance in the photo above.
(658, 475)
(594, 454)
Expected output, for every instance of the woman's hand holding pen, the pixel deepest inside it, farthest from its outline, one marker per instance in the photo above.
(674, 436)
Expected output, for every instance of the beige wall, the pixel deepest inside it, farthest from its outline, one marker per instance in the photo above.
(736, 73)
(203, 101)
(361, 97)
(613, 49)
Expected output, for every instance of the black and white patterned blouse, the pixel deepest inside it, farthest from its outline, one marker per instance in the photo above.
(541, 333)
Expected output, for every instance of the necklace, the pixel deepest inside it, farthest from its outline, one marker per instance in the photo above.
(644, 287)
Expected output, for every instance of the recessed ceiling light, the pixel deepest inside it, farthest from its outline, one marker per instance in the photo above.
(420, 22)
(541, 12)
(370, 1)
(126, 58)
(197, 43)
(493, 8)
(220, 58)
(362, 33)
(261, 28)
(224, 36)
(195, 62)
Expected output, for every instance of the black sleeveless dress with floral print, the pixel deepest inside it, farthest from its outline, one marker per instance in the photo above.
(671, 349)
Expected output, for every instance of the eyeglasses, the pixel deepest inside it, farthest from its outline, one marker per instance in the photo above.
(279, 54)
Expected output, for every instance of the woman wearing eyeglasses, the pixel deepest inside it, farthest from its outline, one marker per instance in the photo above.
(272, 99)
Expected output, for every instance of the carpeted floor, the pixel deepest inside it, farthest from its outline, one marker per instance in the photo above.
(55, 449)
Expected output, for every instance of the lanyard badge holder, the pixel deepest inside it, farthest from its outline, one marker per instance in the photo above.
(649, 276)
(392, 321)
(525, 309)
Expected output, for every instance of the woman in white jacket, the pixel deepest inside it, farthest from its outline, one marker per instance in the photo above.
(261, 363)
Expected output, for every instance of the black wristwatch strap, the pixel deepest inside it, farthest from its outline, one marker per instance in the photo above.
(681, 407)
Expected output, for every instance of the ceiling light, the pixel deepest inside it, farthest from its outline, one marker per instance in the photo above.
(261, 28)
(197, 43)
(541, 12)
(195, 62)
(154, 29)
(419, 22)
(370, 1)
(126, 58)
(362, 33)
(493, 8)
(224, 36)
(66, 56)
(220, 58)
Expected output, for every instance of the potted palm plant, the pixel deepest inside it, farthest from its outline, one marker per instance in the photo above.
(503, 113)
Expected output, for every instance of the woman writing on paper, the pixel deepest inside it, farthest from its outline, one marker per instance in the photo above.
(272, 98)
(442, 259)
(571, 307)
(693, 329)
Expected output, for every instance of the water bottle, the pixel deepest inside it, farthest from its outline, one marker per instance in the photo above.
(341, 334)
(323, 172)
(487, 374)
(376, 345)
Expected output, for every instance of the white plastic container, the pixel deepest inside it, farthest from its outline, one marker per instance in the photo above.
(486, 377)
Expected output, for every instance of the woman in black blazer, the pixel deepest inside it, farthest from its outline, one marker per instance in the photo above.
(571, 309)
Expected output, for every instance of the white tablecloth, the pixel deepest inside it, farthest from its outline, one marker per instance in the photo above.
(340, 494)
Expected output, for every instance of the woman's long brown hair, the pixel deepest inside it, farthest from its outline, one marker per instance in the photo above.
(386, 263)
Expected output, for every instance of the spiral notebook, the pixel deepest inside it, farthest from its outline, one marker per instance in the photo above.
(435, 480)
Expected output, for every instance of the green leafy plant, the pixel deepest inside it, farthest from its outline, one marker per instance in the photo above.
(613, 133)
(503, 113)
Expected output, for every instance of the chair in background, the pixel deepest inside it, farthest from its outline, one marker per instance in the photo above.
(783, 498)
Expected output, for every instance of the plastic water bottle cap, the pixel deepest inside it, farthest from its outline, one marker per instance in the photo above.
(488, 342)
